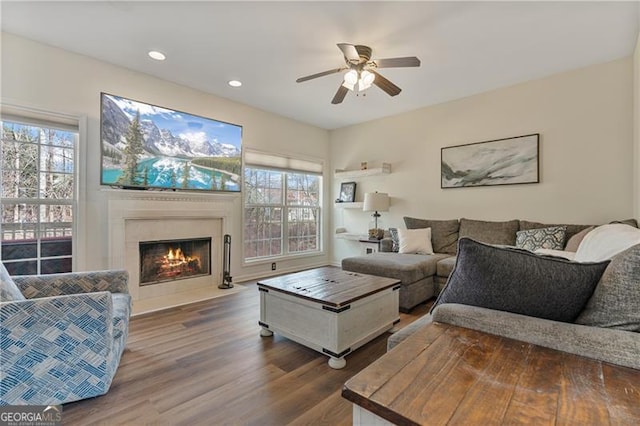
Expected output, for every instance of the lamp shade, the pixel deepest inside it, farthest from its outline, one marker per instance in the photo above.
(376, 202)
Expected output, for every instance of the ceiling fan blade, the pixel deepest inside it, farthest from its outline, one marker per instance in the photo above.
(386, 85)
(349, 51)
(320, 74)
(409, 61)
(340, 94)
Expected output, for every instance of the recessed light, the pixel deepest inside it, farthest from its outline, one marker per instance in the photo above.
(235, 83)
(158, 56)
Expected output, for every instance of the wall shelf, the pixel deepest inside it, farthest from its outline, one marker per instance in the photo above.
(356, 205)
(350, 174)
(350, 236)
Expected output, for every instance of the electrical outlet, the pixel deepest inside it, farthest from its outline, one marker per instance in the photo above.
(273, 266)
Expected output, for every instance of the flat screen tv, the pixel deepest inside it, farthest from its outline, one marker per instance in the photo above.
(145, 146)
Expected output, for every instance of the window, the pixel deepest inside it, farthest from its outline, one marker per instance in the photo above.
(282, 211)
(38, 197)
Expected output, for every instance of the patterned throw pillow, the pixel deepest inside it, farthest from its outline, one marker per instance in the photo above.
(542, 238)
(396, 240)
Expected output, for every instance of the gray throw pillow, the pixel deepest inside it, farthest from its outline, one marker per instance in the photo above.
(393, 232)
(490, 232)
(616, 300)
(521, 282)
(9, 291)
(444, 233)
(544, 238)
(630, 222)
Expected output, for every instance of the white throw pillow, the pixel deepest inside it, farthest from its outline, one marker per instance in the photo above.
(417, 241)
(606, 241)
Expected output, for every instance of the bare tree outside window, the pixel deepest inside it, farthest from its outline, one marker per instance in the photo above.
(37, 198)
(282, 213)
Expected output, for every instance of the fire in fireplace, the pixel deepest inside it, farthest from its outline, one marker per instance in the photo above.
(170, 260)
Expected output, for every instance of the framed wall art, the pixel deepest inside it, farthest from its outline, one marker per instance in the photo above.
(506, 161)
(347, 192)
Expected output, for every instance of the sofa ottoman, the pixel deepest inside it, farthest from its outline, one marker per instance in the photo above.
(415, 272)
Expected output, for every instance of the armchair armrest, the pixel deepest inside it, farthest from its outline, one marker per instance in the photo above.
(35, 286)
(55, 346)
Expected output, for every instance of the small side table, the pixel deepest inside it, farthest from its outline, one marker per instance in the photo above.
(369, 246)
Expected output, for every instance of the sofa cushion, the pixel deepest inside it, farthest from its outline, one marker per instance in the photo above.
(574, 242)
(445, 266)
(415, 241)
(630, 222)
(9, 291)
(407, 268)
(614, 346)
(396, 338)
(542, 238)
(569, 232)
(444, 233)
(518, 281)
(616, 300)
(490, 232)
(606, 241)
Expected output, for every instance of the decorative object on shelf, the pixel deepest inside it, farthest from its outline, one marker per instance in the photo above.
(363, 165)
(498, 162)
(369, 171)
(347, 192)
(376, 202)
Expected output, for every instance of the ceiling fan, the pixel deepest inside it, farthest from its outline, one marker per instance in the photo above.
(362, 71)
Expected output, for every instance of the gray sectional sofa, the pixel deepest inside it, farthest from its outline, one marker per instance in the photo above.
(423, 276)
(607, 328)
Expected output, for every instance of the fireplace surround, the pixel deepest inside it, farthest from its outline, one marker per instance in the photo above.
(136, 218)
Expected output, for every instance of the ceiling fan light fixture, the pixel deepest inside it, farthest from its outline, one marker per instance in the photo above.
(366, 80)
(351, 77)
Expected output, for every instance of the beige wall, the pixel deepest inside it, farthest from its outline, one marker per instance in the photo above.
(39, 76)
(584, 117)
(636, 127)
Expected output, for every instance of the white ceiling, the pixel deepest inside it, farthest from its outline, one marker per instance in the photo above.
(465, 47)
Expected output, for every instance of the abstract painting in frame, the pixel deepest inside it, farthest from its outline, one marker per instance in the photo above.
(506, 161)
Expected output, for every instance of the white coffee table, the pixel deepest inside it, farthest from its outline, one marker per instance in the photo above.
(329, 310)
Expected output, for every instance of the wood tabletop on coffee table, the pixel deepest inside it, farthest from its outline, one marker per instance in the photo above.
(329, 285)
(444, 374)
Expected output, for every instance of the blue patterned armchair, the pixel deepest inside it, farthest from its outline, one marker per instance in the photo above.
(61, 335)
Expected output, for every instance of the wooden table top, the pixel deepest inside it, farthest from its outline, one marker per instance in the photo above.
(329, 285)
(444, 374)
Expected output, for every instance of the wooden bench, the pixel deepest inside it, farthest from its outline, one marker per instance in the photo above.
(444, 374)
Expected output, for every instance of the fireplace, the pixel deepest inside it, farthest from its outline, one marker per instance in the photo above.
(170, 260)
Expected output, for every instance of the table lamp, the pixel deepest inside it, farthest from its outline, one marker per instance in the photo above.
(376, 202)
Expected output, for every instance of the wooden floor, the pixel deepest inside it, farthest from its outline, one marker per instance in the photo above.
(206, 364)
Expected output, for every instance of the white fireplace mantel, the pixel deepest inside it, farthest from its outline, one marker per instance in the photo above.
(135, 216)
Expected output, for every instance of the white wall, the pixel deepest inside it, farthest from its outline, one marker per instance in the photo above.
(584, 117)
(39, 76)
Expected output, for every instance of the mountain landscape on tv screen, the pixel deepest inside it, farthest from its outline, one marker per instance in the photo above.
(145, 146)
